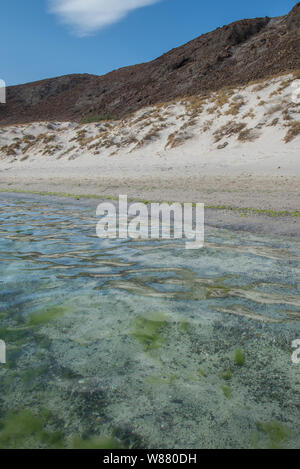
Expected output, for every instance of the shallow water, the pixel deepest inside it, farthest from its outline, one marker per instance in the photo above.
(144, 344)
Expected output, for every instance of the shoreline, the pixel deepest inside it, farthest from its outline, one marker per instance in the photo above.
(244, 219)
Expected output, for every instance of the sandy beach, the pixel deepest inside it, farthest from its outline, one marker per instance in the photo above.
(237, 148)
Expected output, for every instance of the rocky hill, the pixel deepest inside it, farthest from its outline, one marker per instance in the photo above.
(233, 55)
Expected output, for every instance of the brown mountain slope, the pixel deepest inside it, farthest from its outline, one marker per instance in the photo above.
(233, 55)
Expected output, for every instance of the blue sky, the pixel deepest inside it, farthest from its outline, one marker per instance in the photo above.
(47, 38)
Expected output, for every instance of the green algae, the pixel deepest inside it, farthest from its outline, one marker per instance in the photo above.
(149, 331)
(185, 326)
(31, 374)
(23, 429)
(227, 391)
(48, 314)
(239, 357)
(14, 335)
(226, 375)
(243, 210)
(201, 373)
(277, 434)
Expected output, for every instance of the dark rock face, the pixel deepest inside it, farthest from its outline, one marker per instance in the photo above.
(233, 55)
(293, 19)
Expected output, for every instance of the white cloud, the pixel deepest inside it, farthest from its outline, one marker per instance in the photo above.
(88, 16)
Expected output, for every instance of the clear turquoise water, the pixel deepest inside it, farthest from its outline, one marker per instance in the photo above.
(134, 343)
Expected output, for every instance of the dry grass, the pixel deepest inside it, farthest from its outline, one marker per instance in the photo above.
(212, 109)
(296, 74)
(286, 114)
(66, 152)
(228, 130)
(293, 132)
(194, 105)
(250, 114)
(274, 109)
(274, 122)
(207, 125)
(235, 106)
(282, 86)
(260, 86)
(222, 97)
(45, 138)
(248, 135)
(152, 135)
(177, 139)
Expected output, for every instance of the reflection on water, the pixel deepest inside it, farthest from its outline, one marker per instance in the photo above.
(144, 344)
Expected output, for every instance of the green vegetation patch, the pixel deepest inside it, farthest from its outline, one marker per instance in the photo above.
(226, 375)
(276, 432)
(227, 391)
(46, 315)
(15, 336)
(24, 430)
(149, 331)
(239, 357)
